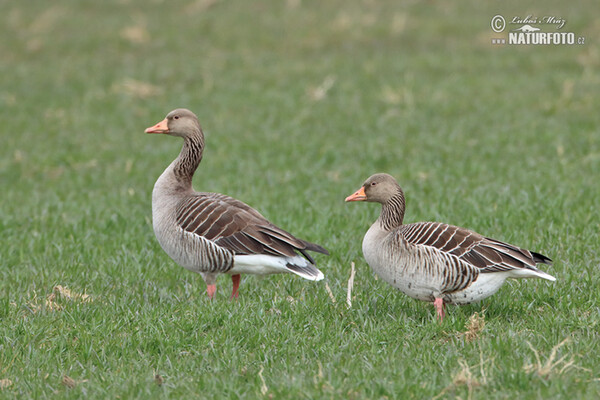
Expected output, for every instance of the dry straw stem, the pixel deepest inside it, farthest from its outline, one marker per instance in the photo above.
(552, 365)
(68, 382)
(350, 285)
(330, 293)
(320, 92)
(475, 326)
(48, 303)
(319, 377)
(465, 377)
(68, 294)
(263, 386)
(4, 383)
(58, 291)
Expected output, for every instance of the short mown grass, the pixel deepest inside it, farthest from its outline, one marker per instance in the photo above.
(300, 101)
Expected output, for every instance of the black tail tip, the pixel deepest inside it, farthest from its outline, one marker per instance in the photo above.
(540, 258)
(316, 248)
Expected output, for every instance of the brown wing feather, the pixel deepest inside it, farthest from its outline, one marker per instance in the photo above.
(238, 227)
(489, 255)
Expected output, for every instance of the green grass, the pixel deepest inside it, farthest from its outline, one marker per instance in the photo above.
(501, 139)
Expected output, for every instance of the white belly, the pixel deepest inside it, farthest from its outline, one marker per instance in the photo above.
(485, 286)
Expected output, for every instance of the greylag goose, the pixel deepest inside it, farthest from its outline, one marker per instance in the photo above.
(211, 233)
(437, 262)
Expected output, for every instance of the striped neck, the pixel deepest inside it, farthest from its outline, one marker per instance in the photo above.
(189, 158)
(392, 212)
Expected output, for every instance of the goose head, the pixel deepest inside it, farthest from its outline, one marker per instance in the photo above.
(378, 188)
(180, 122)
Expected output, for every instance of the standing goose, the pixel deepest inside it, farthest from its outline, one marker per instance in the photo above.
(211, 233)
(436, 262)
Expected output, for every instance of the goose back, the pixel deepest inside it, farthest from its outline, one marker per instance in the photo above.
(237, 227)
(488, 255)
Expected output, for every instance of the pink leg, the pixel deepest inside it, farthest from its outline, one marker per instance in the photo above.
(236, 284)
(211, 289)
(439, 307)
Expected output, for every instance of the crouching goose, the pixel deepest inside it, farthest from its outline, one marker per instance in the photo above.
(211, 233)
(436, 262)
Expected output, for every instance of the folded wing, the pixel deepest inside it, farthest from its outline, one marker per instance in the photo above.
(489, 255)
(238, 227)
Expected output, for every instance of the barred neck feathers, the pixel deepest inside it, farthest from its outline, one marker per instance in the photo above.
(189, 158)
(392, 211)
(184, 124)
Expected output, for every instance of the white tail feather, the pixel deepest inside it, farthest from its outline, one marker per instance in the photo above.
(262, 264)
(530, 273)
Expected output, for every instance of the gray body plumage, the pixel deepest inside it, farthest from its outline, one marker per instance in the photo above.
(211, 233)
(187, 249)
(431, 260)
(425, 272)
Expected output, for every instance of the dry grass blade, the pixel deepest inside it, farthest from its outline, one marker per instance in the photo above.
(552, 364)
(68, 294)
(4, 383)
(320, 92)
(319, 377)
(68, 382)
(263, 385)
(350, 285)
(475, 326)
(330, 293)
(49, 303)
(465, 377)
(59, 292)
(462, 377)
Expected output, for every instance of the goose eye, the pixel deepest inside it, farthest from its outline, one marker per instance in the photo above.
(373, 183)
(176, 117)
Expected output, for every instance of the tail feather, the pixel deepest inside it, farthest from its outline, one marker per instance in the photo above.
(264, 264)
(543, 275)
(315, 247)
(540, 258)
(307, 271)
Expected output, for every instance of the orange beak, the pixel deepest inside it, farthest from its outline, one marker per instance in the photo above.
(359, 195)
(161, 127)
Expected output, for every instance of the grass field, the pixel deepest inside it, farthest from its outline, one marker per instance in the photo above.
(300, 102)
